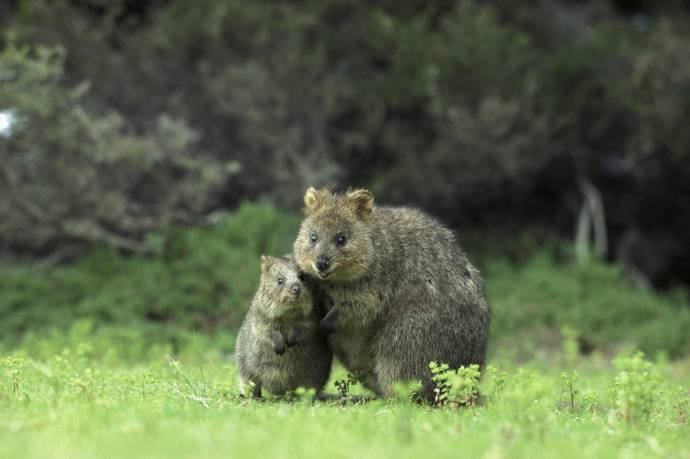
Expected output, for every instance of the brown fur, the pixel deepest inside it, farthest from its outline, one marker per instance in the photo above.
(401, 290)
(279, 346)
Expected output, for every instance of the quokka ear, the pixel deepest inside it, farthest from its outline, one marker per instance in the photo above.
(266, 262)
(313, 199)
(362, 201)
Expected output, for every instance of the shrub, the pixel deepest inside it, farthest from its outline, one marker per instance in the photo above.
(482, 112)
(201, 279)
(637, 388)
(198, 282)
(69, 173)
(455, 387)
(535, 299)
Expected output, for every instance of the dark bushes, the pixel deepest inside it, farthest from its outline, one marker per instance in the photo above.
(488, 114)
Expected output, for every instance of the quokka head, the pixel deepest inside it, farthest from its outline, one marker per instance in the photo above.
(335, 241)
(282, 288)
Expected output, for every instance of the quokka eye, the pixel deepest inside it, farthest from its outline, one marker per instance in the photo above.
(340, 240)
(281, 281)
(300, 276)
(313, 238)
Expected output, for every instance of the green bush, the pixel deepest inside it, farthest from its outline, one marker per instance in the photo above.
(142, 114)
(597, 300)
(201, 279)
(69, 171)
(455, 387)
(636, 388)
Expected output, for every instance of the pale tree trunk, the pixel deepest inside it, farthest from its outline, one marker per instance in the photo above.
(591, 223)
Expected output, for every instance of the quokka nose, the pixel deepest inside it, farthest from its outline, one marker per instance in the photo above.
(322, 264)
(295, 289)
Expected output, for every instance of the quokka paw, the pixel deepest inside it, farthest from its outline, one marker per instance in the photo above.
(328, 323)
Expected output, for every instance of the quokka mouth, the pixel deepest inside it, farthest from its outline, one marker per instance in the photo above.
(323, 275)
(291, 300)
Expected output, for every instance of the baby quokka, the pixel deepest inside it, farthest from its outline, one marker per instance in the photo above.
(279, 346)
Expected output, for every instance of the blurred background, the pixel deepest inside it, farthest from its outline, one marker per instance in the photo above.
(151, 150)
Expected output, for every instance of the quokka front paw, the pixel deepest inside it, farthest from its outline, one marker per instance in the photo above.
(293, 336)
(329, 322)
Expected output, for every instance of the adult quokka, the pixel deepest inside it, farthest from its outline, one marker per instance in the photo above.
(400, 292)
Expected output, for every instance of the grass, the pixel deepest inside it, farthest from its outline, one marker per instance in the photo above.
(73, 405)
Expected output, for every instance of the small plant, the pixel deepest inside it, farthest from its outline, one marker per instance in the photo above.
(15, 380)
(147, 382)
(681, 404)
(636, 388)
(86, 384)
(409, 390)
(440, 375)
(498, 379)
(14, 366)
(183, 388)
(343, 386)
(174, 365)
(247, 389)
(455, 387)
(570, 379)
(305, 395)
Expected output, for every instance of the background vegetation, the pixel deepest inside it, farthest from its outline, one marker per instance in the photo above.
(196, 288)
(495, 116)
(152, 150)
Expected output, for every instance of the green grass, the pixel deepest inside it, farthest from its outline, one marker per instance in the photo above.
(74, 406)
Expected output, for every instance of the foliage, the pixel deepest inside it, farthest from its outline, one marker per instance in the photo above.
(636, 388)
(455, 387)
(483, 112)
(596, 301)
(344, 385)
(570, 379)
(200, 280)
(69, 172)
(495, 380)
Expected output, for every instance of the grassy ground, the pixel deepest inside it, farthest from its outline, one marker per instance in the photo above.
(72, 405)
